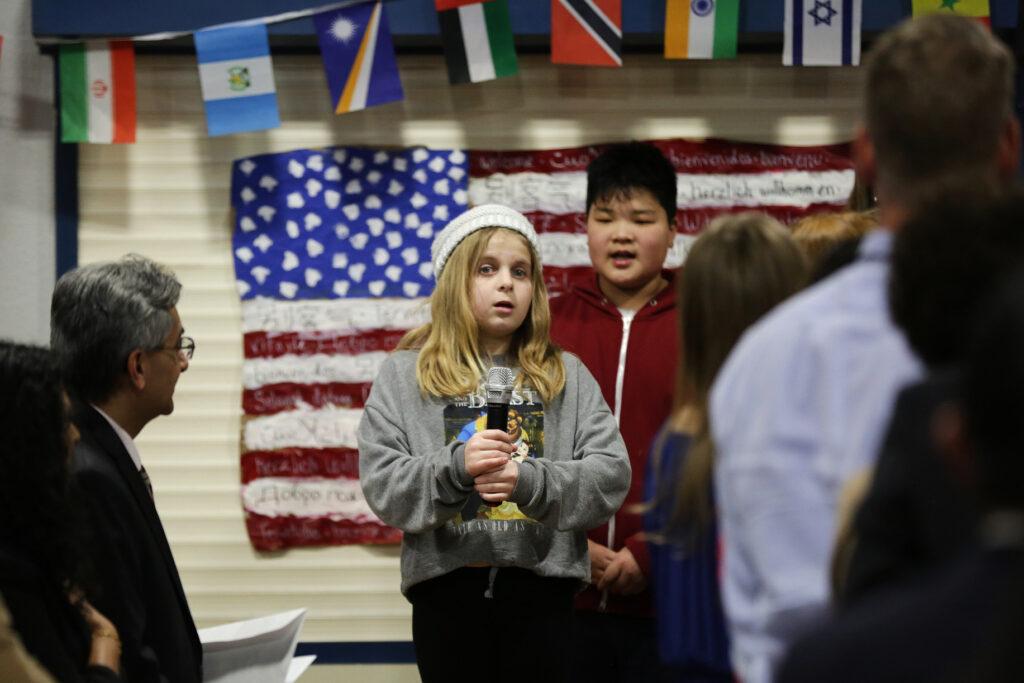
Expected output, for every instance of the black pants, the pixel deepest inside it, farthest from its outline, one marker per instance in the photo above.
(514, 626)
(610, 648)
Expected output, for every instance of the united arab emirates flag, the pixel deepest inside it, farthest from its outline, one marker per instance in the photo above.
(478, 43)
(97, 92)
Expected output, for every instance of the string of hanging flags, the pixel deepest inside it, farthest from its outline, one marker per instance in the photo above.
(97, 78)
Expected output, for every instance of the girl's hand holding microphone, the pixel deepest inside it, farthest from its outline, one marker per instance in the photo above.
(488, 456)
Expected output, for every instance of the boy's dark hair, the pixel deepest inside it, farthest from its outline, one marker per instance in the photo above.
(629, 166)
(945, 261)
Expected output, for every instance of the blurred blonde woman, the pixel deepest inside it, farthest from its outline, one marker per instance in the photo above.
(738, 269)
(829, 240)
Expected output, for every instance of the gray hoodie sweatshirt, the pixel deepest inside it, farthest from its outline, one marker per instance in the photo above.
(573, 475)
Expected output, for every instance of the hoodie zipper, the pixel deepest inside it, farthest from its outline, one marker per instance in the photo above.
(620, 376)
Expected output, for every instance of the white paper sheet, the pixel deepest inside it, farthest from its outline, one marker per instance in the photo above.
(298, 667)
(253, 651)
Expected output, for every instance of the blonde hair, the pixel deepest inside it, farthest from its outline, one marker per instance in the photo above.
(819, 233)
(450, 362)
(739, 268)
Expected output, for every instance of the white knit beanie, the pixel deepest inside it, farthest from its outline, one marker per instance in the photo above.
(478, 218)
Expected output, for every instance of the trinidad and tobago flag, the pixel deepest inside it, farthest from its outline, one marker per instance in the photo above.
(586, 32)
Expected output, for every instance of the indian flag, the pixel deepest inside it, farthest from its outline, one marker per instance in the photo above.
(701, 29)
(976, 9)
(97, 92)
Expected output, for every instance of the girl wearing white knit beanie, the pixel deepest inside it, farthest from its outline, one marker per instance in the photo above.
(495, 539)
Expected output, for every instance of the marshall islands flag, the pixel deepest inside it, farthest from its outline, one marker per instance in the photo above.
(701, 29)
(359, 58)
(97, 92)
(822, 33)
(237, 79)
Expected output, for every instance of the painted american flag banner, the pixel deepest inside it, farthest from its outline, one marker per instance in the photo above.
(713, 177)
(332, 263)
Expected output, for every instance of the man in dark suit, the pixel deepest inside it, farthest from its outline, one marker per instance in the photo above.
(920, 511)
(116, 332)
(963, 621)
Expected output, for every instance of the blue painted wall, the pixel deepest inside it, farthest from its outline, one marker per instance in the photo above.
(70, 18)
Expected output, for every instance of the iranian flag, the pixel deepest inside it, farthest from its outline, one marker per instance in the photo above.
(97, 92)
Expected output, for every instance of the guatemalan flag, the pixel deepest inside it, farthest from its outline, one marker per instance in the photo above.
(359, 57)
(237, 79)
(822, 33)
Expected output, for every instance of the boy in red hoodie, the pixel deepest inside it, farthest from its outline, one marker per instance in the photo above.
(622, 325)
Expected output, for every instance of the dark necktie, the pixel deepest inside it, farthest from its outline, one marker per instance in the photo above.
(145, 480)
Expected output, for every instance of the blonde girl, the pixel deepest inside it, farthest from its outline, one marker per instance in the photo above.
(494, 546)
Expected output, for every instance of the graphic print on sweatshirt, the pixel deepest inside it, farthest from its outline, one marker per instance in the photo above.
(467, 415)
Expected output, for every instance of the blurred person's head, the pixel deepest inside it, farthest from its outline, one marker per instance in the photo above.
(819, 234)
(862, 197)
(993, 381)
(740, 267)
(992, 437)
(115, 329)
(938, 105)
(35, 456)
(945, 261)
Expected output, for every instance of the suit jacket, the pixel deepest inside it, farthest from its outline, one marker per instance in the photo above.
(139, 587)
(916, 514)
(52, 629)
(949, 626)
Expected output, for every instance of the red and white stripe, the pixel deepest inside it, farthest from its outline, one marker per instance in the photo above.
(307, 373)
(714, 177)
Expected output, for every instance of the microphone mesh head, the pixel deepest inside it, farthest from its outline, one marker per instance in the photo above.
(499, 385)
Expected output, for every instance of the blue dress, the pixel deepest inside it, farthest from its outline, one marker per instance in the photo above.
(693, 643)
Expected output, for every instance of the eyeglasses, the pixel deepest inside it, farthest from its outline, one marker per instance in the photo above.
(185, 345)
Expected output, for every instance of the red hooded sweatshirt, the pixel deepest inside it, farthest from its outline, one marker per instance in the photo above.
(634, 360)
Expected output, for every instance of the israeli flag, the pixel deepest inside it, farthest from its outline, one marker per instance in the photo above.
(822, 33)
(237, 79)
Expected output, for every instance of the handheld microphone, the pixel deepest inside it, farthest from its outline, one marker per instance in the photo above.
(499, 394)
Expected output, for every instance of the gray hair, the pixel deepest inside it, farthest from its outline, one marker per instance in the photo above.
(938, 97)
(102, 312)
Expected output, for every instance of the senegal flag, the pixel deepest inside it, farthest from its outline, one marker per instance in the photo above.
(976, 9)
